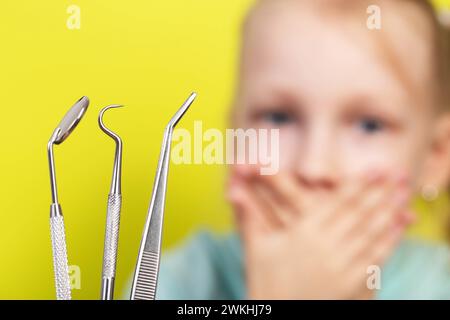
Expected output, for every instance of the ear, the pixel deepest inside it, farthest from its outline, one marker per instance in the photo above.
(437, 165)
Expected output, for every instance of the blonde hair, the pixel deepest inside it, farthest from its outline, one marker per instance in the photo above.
(441, 48)
(439, 42)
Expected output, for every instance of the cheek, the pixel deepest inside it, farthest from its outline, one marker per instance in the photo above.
(290, 145)
(281, 158)
(385, 157)
(286, 155)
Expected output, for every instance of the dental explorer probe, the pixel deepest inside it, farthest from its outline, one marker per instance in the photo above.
(112, 215)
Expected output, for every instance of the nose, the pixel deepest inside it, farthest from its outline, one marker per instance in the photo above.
(316, 167)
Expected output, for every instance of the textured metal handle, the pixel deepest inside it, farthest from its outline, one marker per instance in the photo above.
(112, 235)
(111, 245)
(60, 262)
(146, 278)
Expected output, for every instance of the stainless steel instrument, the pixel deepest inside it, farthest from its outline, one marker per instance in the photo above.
(112, 215)
(60, 262)
(147, 267)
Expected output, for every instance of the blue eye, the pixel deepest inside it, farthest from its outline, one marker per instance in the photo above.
(370, 125)
(278, 118)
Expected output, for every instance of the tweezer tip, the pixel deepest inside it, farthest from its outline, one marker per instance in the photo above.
(182, 110)
(189, 100)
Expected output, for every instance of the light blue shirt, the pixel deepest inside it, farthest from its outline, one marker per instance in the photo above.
(210, 267)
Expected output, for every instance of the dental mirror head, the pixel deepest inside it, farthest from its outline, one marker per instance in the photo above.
(62, 131)
(71, 120)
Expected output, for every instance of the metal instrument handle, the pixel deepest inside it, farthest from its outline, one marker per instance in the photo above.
(111, 245)
(60, 262)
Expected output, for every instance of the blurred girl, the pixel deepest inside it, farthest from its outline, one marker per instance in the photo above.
(364, 124)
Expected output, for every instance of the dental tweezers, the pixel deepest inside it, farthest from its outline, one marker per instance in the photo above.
(147, 267)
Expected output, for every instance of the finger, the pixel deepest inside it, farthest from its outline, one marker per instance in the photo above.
(364, 244)
(378, 197)
(279, 213)
(376, 230)
(384, 247)
(348, 198)
(367, 270)
(393, 207)
(247, 171)
(285, 188)
(367, 294)
(250, 215)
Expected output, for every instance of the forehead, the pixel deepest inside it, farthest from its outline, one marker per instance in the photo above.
(296, 41)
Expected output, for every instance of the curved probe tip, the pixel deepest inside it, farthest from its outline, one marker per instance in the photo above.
(102, 124)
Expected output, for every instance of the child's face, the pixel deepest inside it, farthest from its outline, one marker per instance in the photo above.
(342, 109)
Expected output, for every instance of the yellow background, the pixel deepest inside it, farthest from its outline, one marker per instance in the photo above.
(146, 54)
